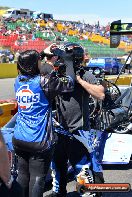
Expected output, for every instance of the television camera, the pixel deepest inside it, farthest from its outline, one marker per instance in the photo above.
(69, 51)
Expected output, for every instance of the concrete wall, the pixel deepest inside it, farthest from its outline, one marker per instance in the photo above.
(123, 80)
(8, 70)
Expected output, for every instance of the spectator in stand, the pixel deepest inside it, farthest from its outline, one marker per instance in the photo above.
(16, 56)
(3, 58)
(11, 58)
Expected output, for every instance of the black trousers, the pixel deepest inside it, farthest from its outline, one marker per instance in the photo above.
(70, 149)
(32, 171)
(14, 191)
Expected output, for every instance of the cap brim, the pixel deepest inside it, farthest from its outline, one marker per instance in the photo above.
(48, 49)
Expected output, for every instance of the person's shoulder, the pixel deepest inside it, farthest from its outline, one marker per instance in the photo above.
(17, 78)
(46, 69)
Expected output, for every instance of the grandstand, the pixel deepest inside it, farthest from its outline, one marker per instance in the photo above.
(39, 33)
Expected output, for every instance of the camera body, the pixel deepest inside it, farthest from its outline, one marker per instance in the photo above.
(72, 51)
(60, 67)
(69, 51)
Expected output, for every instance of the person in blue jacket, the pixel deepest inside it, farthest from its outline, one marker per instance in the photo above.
(34, 138)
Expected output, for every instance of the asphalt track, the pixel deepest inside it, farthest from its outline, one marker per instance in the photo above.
(112, 173)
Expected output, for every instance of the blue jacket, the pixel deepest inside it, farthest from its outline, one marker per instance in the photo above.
(33, 96)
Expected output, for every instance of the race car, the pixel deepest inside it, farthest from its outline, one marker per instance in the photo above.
(109, 65)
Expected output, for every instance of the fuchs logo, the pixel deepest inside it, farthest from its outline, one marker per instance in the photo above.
(26, 98)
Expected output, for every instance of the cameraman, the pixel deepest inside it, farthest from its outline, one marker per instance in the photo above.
(34, 138)
(75, 140)
(49, 58)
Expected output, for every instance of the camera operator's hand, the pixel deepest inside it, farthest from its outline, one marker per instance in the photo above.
(78, 79)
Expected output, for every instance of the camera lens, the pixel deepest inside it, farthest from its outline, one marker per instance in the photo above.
(68, 50)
